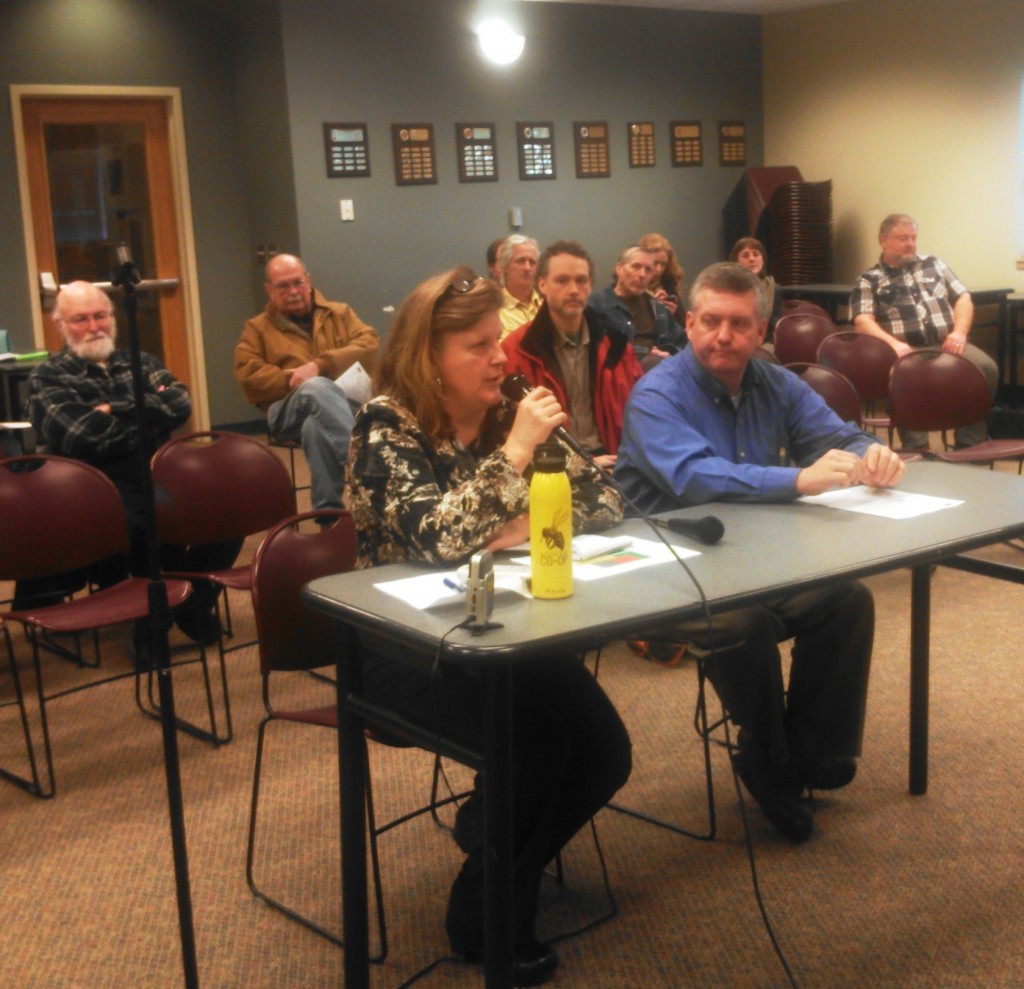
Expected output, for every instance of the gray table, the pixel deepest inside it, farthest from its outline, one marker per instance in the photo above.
(767, 549)
(13, 374)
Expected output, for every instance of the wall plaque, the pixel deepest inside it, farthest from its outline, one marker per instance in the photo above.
(415, 157)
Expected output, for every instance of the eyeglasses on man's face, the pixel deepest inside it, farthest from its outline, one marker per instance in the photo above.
(83, 319)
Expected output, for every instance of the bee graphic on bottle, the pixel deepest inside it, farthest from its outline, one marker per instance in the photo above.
(553, 536)
(550, 524)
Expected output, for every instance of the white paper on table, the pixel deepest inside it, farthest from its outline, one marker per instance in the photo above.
(639, 553)
(591, 545)
(887, 503)
(429, 589)
(356, 384)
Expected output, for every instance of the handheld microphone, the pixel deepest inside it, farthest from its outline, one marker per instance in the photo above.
(515, 387)
(480, 589)
(126, 273)
(708, 529)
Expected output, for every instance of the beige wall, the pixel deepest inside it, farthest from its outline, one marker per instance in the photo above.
(906, 106)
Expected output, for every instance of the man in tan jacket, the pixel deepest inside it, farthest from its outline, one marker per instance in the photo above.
(287, 361)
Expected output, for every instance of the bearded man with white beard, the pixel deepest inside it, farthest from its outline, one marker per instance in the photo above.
(81, 401)
(82, 405)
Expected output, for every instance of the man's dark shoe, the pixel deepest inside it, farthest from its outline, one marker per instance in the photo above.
(200, 626)
(533, 964)
(826, 772)
(533, 961)
(667, 654)
(778, 791)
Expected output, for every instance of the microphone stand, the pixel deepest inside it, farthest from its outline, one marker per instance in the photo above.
(127, 278)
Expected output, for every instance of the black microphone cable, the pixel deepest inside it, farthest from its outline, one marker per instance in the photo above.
(453, 798)
(655, 526)
(712, 527)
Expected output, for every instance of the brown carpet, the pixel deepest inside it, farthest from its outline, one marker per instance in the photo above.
(893, 890)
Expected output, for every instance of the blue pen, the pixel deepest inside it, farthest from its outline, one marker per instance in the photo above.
(454, 584)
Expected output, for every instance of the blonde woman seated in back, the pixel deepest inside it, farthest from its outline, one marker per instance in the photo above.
(666, 284)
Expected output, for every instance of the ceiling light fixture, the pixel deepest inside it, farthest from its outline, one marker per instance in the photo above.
(499, 41)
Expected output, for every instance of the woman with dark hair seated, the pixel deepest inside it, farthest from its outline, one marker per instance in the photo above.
(439, 467)
(749, 252)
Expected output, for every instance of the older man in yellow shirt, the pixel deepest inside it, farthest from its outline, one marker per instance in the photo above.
(517, 260)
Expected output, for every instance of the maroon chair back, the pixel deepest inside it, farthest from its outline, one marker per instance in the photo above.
(216, 486)
(865, 360)
(790, 306)
(798, 337)
(839, 394)
(931, 391)
(292, 635)
(763, 353)
(56, 515)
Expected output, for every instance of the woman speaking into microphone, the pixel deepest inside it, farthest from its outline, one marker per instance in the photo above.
(438, 470)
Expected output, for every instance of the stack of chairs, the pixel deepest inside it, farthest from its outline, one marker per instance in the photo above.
(799, 233)
(741, 215)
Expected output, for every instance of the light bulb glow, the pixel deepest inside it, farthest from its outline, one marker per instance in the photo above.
(499, 41)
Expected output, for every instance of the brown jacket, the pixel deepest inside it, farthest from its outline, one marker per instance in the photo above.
(271, 346)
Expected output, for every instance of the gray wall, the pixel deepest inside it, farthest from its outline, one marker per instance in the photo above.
(264, 137)
(409, 61)
(260, 77)
(151, 43)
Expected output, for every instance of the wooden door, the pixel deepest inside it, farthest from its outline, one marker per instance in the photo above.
(99, 174)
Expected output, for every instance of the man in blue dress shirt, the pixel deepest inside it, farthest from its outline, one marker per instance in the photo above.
(712, 424)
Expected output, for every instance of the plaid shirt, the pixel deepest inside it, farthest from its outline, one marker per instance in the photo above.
(914, 304)
(64, 391)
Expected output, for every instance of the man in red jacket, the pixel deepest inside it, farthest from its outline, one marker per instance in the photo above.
(574, 351)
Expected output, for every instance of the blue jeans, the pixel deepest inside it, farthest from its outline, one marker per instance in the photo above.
(318, 414)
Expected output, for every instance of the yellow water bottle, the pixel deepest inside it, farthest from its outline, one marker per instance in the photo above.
(550, 524)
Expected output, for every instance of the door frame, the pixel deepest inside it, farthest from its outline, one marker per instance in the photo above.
(171, 96)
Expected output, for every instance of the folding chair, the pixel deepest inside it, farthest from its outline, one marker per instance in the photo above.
(932, 391)
(216, 487)
(35, 492)
(836, 389)
(867, 362)
(798, 337)
(293, 637)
